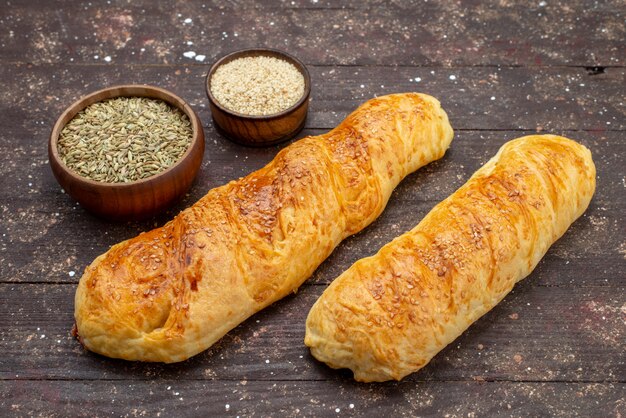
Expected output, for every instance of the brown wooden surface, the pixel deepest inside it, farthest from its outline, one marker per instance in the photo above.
(555, 346)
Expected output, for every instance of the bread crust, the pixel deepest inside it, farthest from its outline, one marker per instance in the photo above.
(388, 315)
(171, 293)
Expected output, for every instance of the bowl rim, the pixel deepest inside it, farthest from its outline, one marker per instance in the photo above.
(84, 101)
(259, 51)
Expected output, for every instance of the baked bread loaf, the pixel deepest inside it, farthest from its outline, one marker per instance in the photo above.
(170, 293)
(389, 314)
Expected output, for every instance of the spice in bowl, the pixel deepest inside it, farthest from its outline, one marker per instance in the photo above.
(257, 85)
(124, 139)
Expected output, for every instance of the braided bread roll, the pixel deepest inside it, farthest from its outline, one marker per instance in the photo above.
(171, 293)
(388, 315)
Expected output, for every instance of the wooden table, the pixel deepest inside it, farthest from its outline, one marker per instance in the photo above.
(554, 346)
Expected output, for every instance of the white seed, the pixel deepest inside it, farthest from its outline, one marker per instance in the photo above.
(258, 85)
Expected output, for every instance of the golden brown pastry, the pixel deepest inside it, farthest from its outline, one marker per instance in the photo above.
(170, 293)
(389, 314)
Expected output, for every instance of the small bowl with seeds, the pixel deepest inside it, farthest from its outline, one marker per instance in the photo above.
(127, 152)
(258, 97)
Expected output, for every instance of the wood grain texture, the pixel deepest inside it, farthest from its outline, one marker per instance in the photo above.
(183, 398)
(556, 68)
(402, 32)
(528, 336)
(547, 99)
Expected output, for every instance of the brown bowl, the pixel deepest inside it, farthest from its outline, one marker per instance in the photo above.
(138, 199)
(263, 130)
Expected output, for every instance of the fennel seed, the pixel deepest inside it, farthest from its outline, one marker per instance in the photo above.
(124, 139)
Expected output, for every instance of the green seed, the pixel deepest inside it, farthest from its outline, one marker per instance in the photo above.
(124, 139)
